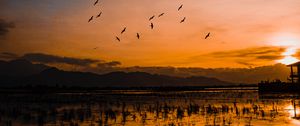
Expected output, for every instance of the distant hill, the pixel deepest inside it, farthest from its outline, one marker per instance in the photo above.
(22, 72)
(236, 75)
(20, 67)
(13, 72)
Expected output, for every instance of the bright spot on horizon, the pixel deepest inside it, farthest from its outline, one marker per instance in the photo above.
(288, 60)
(289, 51)
(292, 43)
(288, 56)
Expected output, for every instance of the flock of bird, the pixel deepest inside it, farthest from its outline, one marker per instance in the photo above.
(99, 15)
(150, 19)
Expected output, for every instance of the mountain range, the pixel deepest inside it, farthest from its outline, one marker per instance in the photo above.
(21, 72)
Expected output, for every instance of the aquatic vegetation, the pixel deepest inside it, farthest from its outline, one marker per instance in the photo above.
(172, 109)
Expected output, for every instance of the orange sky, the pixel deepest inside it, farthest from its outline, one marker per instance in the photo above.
(60, 28)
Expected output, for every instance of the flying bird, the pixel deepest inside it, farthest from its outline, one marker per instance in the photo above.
(161, 14)
(95, 48)
(138, 35)
(123, 30)
(182, 20)
(96, 2)
(118, 38)
(207, 35)
(91, 19)
(180, 7)
(151, 17)
(99, 14)
(151, 25)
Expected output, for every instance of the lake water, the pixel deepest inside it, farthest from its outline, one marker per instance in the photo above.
(220, 107)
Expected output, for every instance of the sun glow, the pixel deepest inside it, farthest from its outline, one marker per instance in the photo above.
(288, 56)
(289, 51)
(290, 110)
(291, 43)
(288, 60)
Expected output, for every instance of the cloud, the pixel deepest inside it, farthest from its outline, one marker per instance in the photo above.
(48, 59)
(254, 56)
(269, 57)
(8, 55)
(259, 53)
(5, 27)
(109, 64)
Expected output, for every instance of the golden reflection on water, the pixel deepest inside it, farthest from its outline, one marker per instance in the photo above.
(290, 109)
(223, 108)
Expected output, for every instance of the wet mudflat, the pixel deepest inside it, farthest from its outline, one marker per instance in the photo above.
(134, 107)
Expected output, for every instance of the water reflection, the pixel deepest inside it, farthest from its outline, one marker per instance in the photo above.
(238, 107)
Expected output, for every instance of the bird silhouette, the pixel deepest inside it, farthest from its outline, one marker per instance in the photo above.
(151, 17)
(91, 19)
(118, 38)
(180, 7)
(182, 20)
(138, 35)
(95, 48)
(96, 2)
(207, 35)
(123, 30)
(161, 14)
(99, 14)
(151, 25)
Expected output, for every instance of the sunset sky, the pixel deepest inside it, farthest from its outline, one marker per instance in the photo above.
(243, 32)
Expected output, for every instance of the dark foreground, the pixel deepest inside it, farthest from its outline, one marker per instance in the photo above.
(213, 106)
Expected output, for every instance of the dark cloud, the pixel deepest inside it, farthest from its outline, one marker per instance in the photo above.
(8, 55)
(109, 64)
(5, 27)
(259, 53)
(270, 57)
(46, 58)
(249, 56)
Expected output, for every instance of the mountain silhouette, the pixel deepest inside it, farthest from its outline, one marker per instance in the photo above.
(20, 67)
(54, 76)
(236, 75)
(23, 72)
(12, 73)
